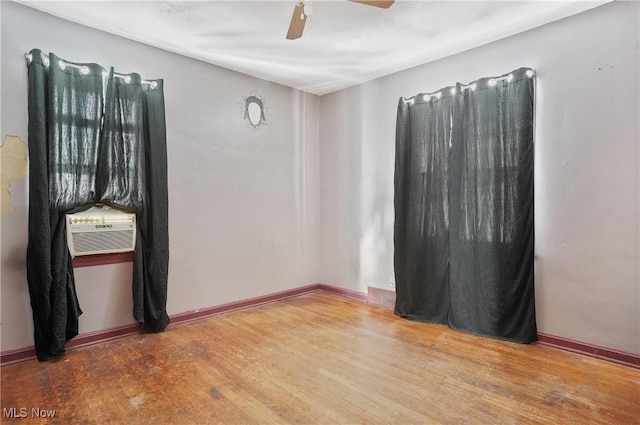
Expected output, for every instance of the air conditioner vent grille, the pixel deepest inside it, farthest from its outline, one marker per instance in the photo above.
(87, 242)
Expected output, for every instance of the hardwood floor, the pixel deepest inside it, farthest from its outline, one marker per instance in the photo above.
(319, 359)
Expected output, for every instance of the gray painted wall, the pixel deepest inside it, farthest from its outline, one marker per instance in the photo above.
(587, 181)
(243, 203)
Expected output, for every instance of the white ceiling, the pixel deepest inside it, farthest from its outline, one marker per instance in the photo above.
(344, 43)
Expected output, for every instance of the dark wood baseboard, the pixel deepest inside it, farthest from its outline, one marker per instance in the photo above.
(386, 298)
(83, 340)
(239, 305)
(376, 296)
(18, 355)
(90, 338)
(347, 293)
(590, 350)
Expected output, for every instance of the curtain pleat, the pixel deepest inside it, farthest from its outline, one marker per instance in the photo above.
(152, 246)
(421, 233)
(491, 194)
(120, 164)
(75, 162)
(133, 175)
(488, 205)
(62, 151)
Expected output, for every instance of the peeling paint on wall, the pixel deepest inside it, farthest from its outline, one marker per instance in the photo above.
(13, 163)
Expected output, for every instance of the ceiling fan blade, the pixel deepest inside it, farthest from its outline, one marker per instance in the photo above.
(385, 4)
(297, 22)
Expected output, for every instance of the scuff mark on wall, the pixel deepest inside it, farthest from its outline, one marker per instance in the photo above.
(13, 163)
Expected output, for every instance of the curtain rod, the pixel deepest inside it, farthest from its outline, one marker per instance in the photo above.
(85, 70)
(472, 86)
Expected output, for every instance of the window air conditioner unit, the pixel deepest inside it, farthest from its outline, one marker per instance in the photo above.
(100, 230)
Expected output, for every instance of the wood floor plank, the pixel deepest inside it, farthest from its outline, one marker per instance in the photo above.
(319, 359)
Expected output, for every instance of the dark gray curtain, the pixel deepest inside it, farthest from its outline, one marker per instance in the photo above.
(90, 140)
(132, 174)
(488, 182)
(421, 238)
